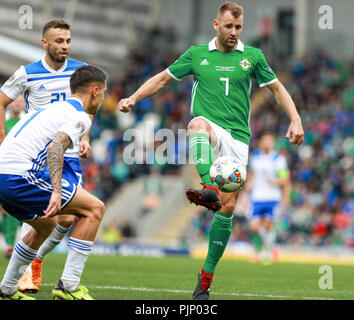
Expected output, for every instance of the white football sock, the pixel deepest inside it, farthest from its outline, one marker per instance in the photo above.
(79, 251)
(268, 238)
(25, 227)
(20, 259)
(52, 241)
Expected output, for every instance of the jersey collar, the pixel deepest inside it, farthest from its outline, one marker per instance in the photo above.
(212, 45)
(76, 103)
(45, 65)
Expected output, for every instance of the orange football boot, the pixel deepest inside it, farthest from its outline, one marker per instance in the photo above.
(37, 272)
(25, 284)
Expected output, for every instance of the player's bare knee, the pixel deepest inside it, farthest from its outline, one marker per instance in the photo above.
(228, 208)
(254, 224)
(198, 125)
(97, 210)
(66, 221)
(101, 208)
(267, 224)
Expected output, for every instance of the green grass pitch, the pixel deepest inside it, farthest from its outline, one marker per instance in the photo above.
(174, 278)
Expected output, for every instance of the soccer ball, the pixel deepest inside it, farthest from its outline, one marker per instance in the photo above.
(227, 174)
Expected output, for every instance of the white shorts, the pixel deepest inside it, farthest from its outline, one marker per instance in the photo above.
(226, 145)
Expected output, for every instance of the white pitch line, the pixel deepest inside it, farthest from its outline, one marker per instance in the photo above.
(190, 292)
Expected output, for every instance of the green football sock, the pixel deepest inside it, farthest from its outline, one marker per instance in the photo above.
(257, 241)
(219, 234)
(203, 155)
(9, 228)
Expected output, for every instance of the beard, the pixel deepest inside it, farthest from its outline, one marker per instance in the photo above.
(224, 41)
(55, 57)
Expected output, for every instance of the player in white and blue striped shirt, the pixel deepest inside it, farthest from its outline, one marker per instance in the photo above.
(39, 183)
(44, 82)
(268, 184)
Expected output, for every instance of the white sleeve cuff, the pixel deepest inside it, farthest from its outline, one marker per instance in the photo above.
(172, 75)
(268, 83)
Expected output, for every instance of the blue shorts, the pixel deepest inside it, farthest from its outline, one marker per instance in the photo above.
(25, 198)
(264, 209)
(76, 166)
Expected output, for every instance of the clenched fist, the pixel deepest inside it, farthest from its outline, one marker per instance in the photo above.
(124, 105)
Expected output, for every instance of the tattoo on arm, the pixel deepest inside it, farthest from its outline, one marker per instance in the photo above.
(55, 158)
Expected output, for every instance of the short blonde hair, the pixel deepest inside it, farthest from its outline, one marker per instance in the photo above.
(235, 9)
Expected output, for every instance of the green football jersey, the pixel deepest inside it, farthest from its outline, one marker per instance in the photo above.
(10, 123)
(222, 83)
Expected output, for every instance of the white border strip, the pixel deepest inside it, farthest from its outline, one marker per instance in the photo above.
(172, 75)
(268, 83)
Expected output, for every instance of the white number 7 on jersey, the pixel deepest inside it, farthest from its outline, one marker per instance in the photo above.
(226, 85)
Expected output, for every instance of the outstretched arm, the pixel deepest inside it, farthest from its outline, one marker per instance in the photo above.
(295, 132)
(55, 162)
(148, 88)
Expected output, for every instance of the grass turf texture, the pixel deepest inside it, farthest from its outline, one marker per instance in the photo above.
(174, 278)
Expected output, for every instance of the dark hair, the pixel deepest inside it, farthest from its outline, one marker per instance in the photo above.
(266, 132)
(235, 9)
(84, 76)
(60, 24)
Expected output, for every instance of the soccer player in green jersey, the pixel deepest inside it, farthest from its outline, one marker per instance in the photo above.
(220, 104)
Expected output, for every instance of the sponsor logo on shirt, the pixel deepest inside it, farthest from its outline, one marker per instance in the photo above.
(42, 88)
(224, 68)
(204, 62)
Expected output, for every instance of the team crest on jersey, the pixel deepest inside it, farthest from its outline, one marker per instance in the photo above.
(11, 79)
(245, 64)
(81, 126)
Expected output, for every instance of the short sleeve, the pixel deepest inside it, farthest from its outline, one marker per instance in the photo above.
(263, 72)
(76, 127)
(16, 84)
(182, 66)
(282, 167)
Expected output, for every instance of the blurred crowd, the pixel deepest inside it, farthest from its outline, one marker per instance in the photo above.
(106, 171)
(322, 169)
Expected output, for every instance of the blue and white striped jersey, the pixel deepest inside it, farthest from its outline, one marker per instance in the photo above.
(42, 85)
(24, 149)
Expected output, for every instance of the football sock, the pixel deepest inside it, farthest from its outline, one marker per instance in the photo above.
(25, 227)
(203, 155)
(9, 227)
(52, 241)
(78, 253)
(219, 234)
(257, 241)
(268, 238)
(22, 256)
